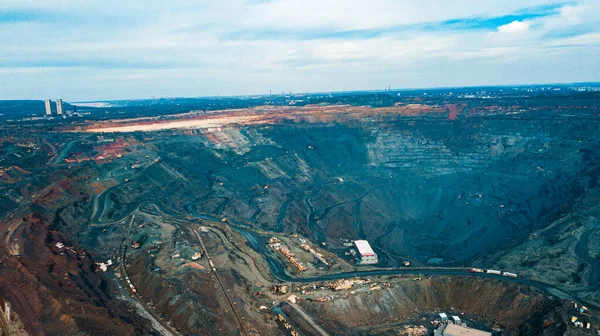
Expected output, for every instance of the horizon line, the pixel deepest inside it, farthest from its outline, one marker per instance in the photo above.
(431, 88)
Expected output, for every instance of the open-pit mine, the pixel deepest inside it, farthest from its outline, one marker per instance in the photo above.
(406, 214)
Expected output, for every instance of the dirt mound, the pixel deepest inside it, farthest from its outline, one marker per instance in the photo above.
(514, 309)
(54, 288)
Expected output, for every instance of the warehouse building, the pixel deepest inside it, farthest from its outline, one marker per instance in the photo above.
(366, 253)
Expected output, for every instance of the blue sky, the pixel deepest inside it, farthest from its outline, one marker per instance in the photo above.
(100, 50)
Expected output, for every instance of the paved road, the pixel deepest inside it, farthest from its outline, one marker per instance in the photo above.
(279, 273)
(278, 270)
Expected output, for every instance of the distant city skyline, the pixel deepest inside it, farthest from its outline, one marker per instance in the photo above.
(134, 50)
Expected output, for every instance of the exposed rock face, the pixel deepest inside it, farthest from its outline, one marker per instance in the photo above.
(518, 193)
(418, 188)
(55, 289)
(516, 310)
(50, 280)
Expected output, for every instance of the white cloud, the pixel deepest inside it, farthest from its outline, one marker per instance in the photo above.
(360, 14)
(514, 27)
(118, 49)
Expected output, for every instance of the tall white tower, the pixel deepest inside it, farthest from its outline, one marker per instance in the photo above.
(48, 107)
(59, 110)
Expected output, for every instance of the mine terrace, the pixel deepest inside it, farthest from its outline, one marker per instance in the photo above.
(379, 213)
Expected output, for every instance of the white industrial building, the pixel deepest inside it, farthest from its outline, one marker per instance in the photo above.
(59, 107)
(366, 253)
(48, 107)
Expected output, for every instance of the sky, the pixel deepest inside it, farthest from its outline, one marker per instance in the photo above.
(113, 49)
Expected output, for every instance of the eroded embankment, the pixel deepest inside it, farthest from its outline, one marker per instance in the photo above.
(517, 310)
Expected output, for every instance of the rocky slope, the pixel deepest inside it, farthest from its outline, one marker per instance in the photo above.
(513, 310)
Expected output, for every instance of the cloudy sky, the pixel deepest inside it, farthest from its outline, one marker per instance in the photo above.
(114, 49)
